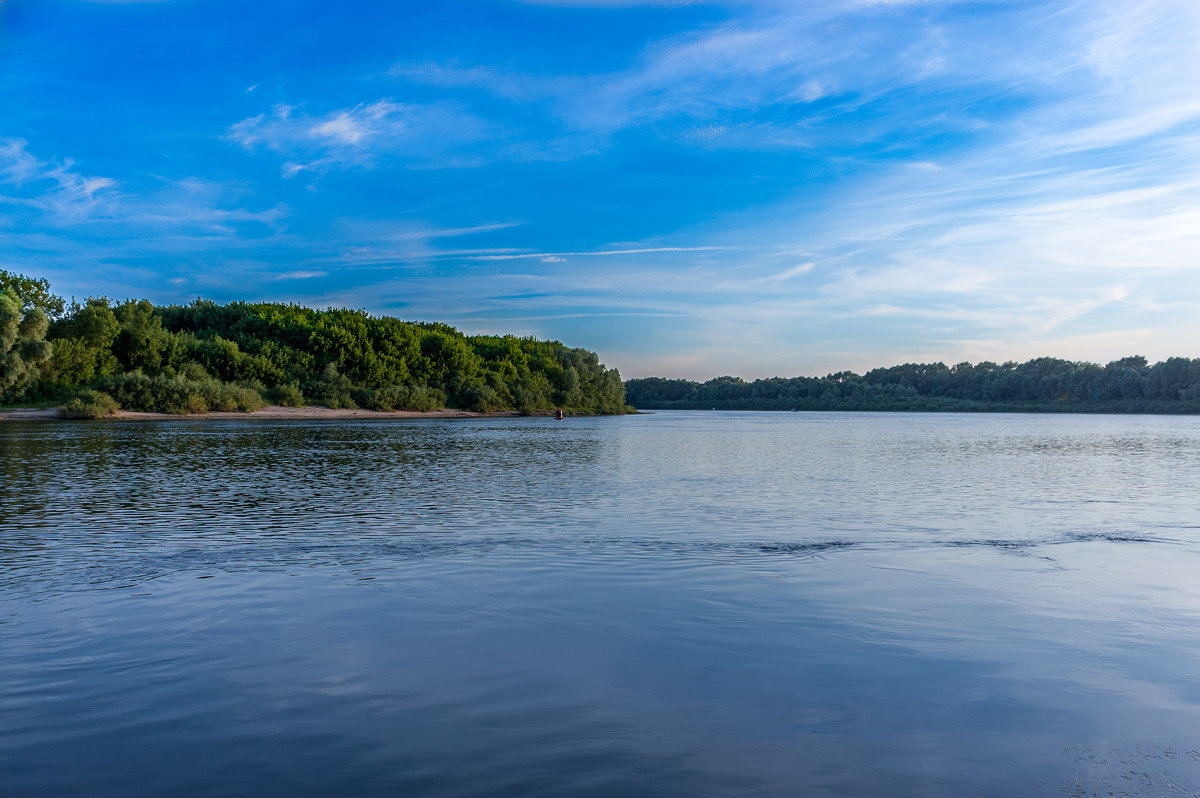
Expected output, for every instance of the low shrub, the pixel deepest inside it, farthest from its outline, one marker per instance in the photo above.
(90, 404)
(404, 397)
(287, 395)
(333, 389)
(234, 398)
(178, 394)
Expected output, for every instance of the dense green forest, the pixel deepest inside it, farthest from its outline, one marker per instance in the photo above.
(1129, 385)
(98, 355)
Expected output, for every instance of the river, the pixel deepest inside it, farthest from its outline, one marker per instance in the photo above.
(669, 604)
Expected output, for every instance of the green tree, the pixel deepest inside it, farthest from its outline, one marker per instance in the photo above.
(32, 293)
(142, 342)
(24, 350)
(83, 344)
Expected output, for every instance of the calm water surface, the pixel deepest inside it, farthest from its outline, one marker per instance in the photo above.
(809, 604)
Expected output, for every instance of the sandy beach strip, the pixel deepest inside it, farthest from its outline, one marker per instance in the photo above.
(269, 412)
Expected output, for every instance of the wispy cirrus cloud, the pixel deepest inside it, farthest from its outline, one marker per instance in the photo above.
(55, 188)
(59, 194)
(200, 209)
(410, 253)
(427, 134)
(557, 257)
(762, 70)
(787, 274)
(841, 76)
(60, 222)
(613, 3)
(426, 233)
(495, 80)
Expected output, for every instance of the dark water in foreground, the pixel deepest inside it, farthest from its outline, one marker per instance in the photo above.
(673, 604)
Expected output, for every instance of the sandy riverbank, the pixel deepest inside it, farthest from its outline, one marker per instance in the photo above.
(269, 412)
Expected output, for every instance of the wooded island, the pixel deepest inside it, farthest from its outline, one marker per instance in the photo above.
(98, 356)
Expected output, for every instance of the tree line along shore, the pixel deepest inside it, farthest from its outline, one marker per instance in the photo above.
(99, 356)
(1128, 385)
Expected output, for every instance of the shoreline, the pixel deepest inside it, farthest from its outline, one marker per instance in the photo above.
(272, 412)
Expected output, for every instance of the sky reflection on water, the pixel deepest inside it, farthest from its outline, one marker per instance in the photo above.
(677, 604)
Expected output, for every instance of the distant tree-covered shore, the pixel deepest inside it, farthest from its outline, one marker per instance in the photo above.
(1129, 385)
(96, 356)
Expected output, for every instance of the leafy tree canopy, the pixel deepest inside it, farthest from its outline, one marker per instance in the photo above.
(24, 351)
(32, 293)
(204, 355)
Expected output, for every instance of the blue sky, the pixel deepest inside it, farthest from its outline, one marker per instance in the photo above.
(689, 189)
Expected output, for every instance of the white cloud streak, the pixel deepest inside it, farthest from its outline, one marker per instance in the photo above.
(55, 188)
(555, 257)
(425, 134)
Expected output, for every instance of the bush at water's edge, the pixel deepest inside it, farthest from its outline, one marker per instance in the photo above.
(90, 404)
